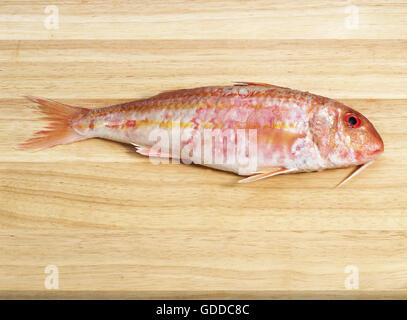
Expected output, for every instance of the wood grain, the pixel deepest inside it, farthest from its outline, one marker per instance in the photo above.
(204, 19)
(117, 226)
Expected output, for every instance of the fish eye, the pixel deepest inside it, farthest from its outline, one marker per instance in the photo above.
(352, 120)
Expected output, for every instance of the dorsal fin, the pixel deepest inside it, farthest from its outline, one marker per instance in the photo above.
(260, 84)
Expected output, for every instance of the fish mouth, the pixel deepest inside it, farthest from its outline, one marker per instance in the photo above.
(373, 155)
(378, 148)
(376, 152)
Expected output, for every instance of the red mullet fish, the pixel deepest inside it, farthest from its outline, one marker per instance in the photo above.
(252, 129)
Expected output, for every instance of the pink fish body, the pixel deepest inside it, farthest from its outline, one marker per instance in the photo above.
(256, 130)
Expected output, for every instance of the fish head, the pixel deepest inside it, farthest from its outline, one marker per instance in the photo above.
(344, 136)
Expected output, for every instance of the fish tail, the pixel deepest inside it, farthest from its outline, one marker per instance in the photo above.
(59, 130)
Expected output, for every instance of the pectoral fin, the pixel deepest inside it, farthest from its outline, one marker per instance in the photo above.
(268, 174)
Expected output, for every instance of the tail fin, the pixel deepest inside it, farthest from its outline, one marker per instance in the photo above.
(60, 129)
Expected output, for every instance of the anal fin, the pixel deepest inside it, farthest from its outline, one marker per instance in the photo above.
(146, 151)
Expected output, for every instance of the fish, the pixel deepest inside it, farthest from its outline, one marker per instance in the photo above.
(256, 130)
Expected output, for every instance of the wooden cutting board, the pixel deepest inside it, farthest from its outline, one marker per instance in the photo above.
(95, 219)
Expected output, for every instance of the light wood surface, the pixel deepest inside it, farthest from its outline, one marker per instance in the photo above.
(117, 226)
